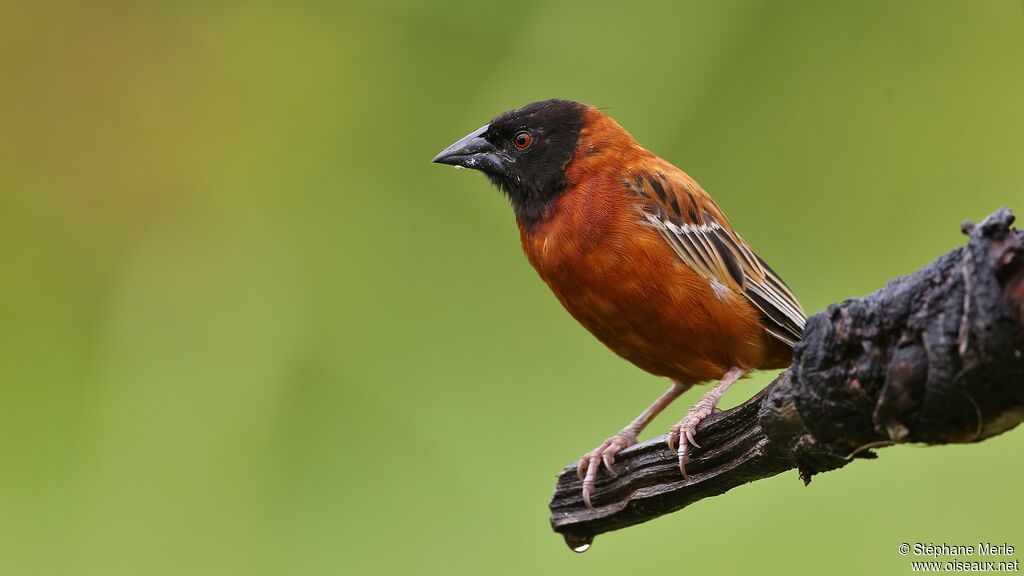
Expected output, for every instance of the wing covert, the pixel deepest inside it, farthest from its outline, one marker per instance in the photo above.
(693, 224)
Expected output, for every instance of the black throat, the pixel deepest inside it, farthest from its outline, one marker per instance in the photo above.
(530, 204)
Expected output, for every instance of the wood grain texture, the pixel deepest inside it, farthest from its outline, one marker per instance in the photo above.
(935, 357)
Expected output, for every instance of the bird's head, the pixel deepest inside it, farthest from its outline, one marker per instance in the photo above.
(524, 152)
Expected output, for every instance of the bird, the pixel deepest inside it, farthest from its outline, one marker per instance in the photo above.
(640, 255)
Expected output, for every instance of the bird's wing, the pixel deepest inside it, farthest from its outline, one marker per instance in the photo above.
(693, 224)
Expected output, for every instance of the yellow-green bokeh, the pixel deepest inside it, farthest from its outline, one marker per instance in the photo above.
(247, 328)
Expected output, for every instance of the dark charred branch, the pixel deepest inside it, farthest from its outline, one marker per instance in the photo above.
(936, 357)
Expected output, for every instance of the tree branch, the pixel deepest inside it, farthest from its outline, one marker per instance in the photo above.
(935, 357)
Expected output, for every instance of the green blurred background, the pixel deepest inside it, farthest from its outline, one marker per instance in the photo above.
(247, 328)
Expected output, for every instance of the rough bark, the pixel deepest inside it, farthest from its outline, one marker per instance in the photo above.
(935, 357)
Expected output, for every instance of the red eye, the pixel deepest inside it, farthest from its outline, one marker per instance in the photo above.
(523, 140)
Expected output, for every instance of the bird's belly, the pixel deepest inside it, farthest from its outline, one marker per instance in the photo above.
(665, 319)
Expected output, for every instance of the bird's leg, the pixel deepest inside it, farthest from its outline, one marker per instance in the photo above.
(591, 461)
(684, 430)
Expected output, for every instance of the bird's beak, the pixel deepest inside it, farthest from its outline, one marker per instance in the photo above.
(473, 151)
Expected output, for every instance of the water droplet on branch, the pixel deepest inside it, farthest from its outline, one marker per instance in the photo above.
(578, 542)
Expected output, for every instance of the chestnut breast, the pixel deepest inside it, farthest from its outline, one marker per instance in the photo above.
(622, 281)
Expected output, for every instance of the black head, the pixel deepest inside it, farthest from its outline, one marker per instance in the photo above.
(524, 152)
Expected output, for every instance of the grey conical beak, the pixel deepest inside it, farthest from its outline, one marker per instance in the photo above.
(473, 151)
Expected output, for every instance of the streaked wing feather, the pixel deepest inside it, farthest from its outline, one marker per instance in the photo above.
(703, 239)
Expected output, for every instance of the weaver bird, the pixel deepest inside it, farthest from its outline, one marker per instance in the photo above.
(639, 254)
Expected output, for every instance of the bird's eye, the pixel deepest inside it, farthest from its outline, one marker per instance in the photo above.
(523, 140)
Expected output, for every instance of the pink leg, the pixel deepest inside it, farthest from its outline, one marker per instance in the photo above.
(591, 461)
(685, 429)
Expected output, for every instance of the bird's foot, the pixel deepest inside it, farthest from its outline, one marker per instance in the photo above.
(590, 464)
(684, 430)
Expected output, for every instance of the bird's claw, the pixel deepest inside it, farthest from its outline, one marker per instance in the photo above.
(683, 433)
(590, 464)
